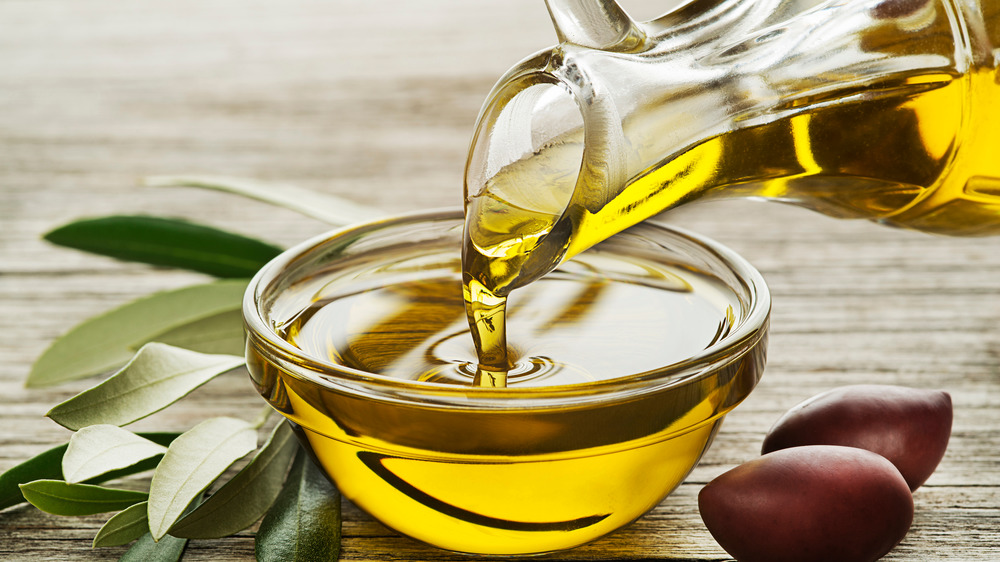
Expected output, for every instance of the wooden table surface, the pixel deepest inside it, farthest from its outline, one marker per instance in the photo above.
(375, 101)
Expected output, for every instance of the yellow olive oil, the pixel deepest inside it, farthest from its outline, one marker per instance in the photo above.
(548, 472)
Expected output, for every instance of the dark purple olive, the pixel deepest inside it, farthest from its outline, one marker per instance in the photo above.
(908, 426)
(819, 503)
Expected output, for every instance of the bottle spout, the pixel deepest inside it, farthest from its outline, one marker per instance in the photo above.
(596, 24)
(521, 175)
(549, 147)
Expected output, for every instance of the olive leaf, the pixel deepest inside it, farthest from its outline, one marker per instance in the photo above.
(219, 333)
(124, 527)
(43, 466)
(107, 341)
(192, 462)
(97, 449)
(327, 208)
(245, 498)
(167, 549)
(48, 466)
(304, 522)
(156, 377)
(136, 524)
(62, 498)
(167, 242)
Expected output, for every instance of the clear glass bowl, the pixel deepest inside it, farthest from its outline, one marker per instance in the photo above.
(509, 470)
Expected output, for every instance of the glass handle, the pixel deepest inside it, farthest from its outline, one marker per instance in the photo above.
(597, 24)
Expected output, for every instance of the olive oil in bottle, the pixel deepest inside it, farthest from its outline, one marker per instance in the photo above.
(888, 111)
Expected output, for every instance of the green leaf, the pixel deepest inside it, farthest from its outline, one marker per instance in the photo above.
(43, 466)
(193, 461)
(109, 340)
(167, 242)
(219, 333)
(124, 527)
(157, 376)
(167, 549)
(98, 449)
(62, 498)
(243, 500)
(304, 523)
(48, 466)
(327, 208)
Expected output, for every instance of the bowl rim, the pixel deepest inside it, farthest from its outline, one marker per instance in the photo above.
(749, 333)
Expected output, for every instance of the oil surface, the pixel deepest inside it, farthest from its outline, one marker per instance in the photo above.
(598, 318)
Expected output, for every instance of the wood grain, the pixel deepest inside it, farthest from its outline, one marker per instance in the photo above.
(375, 101)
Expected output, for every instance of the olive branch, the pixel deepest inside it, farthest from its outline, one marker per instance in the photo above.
(162, 347)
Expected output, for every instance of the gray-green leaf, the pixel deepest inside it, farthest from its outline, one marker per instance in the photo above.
(107, 341)
(98, 449)
(247, 496)
(157, 376)
(327, 208)
(304, 523)
(62, 498)
(167, 549)
(124, 527)
(193, 461)
(219, 333)
(167, 242)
